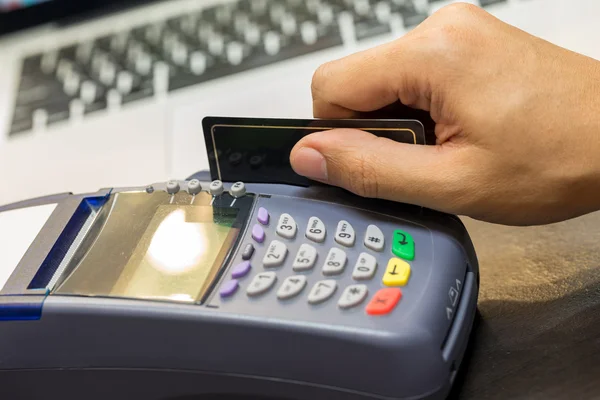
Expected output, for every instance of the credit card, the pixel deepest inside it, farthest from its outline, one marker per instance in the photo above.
(257, 150)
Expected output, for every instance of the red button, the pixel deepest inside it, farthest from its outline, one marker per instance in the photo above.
(384, 301)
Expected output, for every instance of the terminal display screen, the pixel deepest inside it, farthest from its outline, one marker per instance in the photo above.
(155, 247)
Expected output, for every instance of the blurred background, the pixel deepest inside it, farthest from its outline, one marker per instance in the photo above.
(112, 93)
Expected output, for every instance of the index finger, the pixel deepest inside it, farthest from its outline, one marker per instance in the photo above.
(370, 80)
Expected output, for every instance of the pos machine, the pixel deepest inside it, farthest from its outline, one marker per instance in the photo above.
(208, 288)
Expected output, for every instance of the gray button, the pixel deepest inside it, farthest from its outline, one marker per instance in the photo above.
(352, 296)
(315, 230)
(291, 287)
(194, 187)
(261, 283)
(305, 259)
(365, 267)
(286, 227)
(344, 234)
(238, 189)
(216, 188)
(322, 291)
(335, 262)
(275, 255)
(374, 238)
(172, 187)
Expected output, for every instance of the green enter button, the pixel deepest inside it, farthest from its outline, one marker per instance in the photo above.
(403, 245)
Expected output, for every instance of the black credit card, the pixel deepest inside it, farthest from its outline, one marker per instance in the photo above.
(257, 150)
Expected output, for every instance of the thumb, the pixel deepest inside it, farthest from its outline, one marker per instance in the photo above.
(377, 167)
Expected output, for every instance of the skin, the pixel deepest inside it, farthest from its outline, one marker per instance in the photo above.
(517, 122)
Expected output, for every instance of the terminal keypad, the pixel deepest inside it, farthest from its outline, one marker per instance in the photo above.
(359, 253)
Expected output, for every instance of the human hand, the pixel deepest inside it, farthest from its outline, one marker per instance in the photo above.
(517, 122)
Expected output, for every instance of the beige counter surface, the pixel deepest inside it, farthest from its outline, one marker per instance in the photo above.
(538, 333)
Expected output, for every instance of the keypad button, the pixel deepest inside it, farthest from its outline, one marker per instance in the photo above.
(275, 255)
(229, 288)
(365, 267)
(315, 230)
(263, 216)
(172, 187)
(397, 273)
(322, 291)
(258, 233)
(352, 296)
(335, 262)
(286, 227)
(384, 301)
(403, 245)
(344, 234)
(291, 287)
(241, 270)
(261, 283)
(238, 189)
(248, 252)
(305, 259)
(194, 187)
(374, 238)
(216, 188)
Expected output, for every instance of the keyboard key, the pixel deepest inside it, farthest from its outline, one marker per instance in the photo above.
(261, 283)
(315, 230)
(344, 234)
(322, 291)
(365, 267)
(335, 262)
(275, 255)
(291, 287)
(352, 296)
(374, 238)
(305, 259)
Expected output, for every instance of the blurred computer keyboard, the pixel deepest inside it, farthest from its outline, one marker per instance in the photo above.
(192, 48)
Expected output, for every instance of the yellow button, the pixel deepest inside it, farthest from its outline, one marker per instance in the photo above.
(396, 273)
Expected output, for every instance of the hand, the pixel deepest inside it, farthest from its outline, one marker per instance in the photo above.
(517, 122)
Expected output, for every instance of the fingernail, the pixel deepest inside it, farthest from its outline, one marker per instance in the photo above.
(310, 163)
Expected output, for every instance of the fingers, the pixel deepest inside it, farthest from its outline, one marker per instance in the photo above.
(378, 167)
(370, 80)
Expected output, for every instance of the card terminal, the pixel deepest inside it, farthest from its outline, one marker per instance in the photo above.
(201, 288)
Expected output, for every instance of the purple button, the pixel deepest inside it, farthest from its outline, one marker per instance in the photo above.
(229, 288)
(241, 269)
(258, 233)
(263, 216)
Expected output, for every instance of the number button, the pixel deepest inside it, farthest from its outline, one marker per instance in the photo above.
(335, 262)
(261, 283)
(365, 267)
(374, 238)
(322, 291)
(315, 230)
(305, 259)
(291, 287)
(275, 255)
(353, 295)
(286, 227)
(344, 234)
